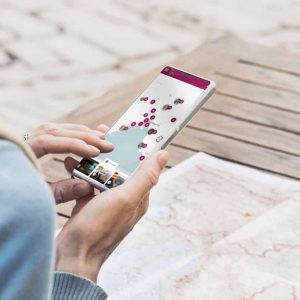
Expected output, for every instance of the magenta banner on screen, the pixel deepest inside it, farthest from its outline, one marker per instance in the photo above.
(185, 77)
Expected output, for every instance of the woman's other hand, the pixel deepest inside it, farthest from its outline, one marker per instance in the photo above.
(99, 223)
(69, 138)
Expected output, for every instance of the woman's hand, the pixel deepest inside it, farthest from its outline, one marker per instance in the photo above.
(98, 224)
(69, 138)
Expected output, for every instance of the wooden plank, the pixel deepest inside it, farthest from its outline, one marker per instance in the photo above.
(261, 76)
(251, 53)
(248, 132)
(229, 66)
(257, 94)
(178, 154)
(253, 112)
(240, 152)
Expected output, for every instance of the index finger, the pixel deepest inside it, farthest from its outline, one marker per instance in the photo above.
(50, 144)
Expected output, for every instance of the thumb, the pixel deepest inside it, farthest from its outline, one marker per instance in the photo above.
(146, 176)
(70, 189)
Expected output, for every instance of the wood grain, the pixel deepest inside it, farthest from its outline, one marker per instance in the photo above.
(252, 133)
(241, 152)
(254, 112)
(254, 54)
(258, 94)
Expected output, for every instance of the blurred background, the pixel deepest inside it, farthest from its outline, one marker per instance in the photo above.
(56, 55)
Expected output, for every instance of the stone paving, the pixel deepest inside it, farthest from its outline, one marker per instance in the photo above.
(56, 55)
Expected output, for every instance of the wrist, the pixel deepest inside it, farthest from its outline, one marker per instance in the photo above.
(77, 267)
(72, 260)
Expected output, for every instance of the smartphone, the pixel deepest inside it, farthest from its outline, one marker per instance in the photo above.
(149, 124)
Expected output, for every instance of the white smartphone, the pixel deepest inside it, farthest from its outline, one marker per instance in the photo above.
(149, 124)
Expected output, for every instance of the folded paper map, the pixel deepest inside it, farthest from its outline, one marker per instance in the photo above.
(214, 230)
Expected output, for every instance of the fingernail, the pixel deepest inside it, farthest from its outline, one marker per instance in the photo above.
(94, 149)
(107, 143)
(163, 158)
(99, 134)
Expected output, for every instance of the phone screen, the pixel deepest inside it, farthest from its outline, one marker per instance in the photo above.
(153, 117)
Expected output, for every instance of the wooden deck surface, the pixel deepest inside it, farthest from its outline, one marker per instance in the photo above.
(253, 119)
